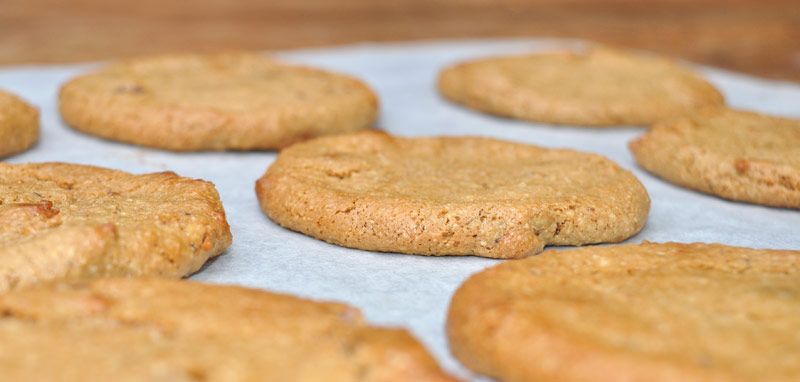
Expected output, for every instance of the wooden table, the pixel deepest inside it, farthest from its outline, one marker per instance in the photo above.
(761, 37)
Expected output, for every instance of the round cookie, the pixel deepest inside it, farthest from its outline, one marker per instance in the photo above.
(215, 102)
(450, 195)
(648, 312)
(19, 124)
(165, 330)
(65, 221)
(598, 87)
(733, 154)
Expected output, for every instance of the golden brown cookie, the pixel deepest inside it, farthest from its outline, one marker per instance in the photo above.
(215, 102)
(598, 87)
(65, 221)
(733, 154)
(648, 312)
(19, 124)
(450, 195)
(166, 330)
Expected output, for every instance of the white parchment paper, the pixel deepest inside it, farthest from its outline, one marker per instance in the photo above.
(403, 290)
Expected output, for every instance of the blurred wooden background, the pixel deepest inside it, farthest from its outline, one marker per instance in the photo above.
(761, 37)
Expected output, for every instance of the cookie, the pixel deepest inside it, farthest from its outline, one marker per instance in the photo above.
(166, 330)
(215, 102)
(450, 195)
(597, 87)
(733, 154)
(19, 125)
(66, 221)
(648, 312)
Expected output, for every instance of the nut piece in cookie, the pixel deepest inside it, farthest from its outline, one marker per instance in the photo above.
(647, 312)
(597, 87)
(215, 102)
(450, 195)
(734, 154)
(66, 221)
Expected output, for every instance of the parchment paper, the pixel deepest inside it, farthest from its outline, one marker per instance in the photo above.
(403, 290)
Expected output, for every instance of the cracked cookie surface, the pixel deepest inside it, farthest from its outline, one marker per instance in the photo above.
(164, 330)
(598, 87)
(65, 221)
(647, 312)
(215, 102)
(734, 154)
(450, 195)
(19, 125)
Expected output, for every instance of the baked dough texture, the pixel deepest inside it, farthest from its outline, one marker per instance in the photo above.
(66, 221)
(215, 102)
(19, 125)
(167, 330)
(598, 87)
(450, 195)
(734, 154)
(647, 312)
